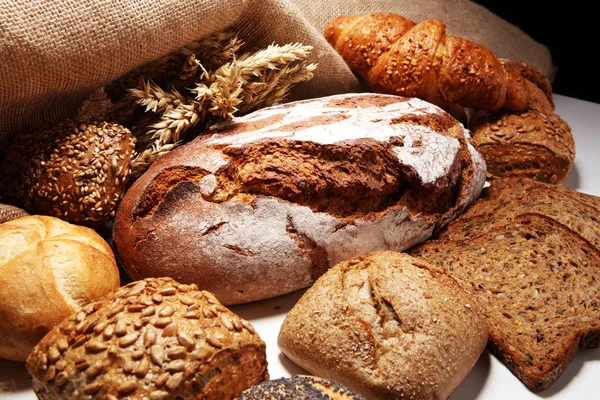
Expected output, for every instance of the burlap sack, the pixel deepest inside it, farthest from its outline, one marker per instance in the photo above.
(54, 53)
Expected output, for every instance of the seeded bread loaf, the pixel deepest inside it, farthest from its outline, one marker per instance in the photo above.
(263, 205)
(50, 269)
(150, 339)
(530, 143)
(387, 325)
(299, 387)
(507, 189)
(75, 172)
(534, 142)
(536, 282)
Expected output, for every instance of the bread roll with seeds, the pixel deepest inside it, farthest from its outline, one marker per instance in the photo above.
(150, 339)
(50, 269)
(299, 387)
(76, 172)
(533, 143)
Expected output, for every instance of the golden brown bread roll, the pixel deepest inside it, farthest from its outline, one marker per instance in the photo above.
(397, 56)
(151, 339)
(50, 269)
(76, 172)
(388, 326)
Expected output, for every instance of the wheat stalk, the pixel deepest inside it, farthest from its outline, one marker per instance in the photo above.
(155, 99)
(204, 82)
(147, 156)
(274, 86)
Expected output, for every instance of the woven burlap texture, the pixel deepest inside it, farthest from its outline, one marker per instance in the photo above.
(54, 53)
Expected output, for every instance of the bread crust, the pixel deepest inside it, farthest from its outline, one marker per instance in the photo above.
(265, 204)
(154, 338)
(74, 171)
(50, 269)
(395, 55)
(534, 143)
(299, 387)
(387, 325)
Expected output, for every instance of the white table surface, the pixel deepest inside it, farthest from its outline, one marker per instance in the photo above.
(489, 379)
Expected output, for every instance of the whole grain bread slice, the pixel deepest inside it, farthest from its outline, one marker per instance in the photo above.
(508, 189)
(537, 284)
(563, 205)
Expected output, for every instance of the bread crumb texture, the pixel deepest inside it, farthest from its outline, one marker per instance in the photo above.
(528, 252)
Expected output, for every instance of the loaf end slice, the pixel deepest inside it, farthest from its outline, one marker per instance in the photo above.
(536, 281)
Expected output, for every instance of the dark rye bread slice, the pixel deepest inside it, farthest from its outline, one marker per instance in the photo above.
(501, 208)
(537, 284)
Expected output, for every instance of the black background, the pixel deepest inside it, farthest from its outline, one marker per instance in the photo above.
(570, 30)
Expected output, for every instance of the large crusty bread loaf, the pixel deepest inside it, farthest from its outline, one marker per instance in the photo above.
(49, 269)
(265, 204)
(536, 281)
(388, 326)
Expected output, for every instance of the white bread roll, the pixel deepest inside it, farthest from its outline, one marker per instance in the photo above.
(50, 269)
(154, 339)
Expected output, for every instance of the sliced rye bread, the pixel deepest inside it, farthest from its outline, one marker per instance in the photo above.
(510, 188)
(563, 205)
(536, 282)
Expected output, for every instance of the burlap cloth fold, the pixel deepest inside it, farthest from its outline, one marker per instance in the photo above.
(54, 53)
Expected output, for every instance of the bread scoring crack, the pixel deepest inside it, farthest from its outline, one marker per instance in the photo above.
(156, 191)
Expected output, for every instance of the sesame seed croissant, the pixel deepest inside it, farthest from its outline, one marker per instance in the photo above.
(397, 56)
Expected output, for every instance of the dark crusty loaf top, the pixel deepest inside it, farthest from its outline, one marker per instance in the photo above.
(537, 282)
(267, 202)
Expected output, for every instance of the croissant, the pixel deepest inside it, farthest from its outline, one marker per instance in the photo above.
(397, 56)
